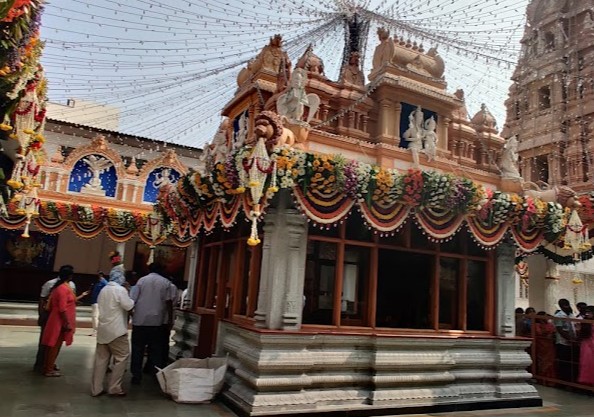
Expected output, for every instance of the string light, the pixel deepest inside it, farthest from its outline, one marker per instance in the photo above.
(170, 66)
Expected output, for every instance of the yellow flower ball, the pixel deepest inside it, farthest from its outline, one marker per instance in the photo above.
(6, 127)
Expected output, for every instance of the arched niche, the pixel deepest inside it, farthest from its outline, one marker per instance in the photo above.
(156, 179)
(94, 174)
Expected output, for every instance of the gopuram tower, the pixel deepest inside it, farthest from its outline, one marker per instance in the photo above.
(551, 101)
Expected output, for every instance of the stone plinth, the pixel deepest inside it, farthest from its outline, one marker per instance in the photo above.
(279, 373)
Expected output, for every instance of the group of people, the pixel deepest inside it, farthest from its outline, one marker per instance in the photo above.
(149, 303)
(563, 342)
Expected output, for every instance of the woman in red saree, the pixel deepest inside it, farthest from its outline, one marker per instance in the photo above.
(61, 322)
(586, 374)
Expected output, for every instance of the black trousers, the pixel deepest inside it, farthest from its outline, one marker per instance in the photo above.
(150, 339)
(40, 357)
(563, 362)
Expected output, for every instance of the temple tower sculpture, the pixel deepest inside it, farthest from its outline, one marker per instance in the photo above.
(551, 100)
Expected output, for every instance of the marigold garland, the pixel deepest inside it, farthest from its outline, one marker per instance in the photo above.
(368, 184)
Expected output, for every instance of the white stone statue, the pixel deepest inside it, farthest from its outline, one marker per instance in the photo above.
(97, 165)
(414, 134)
(430, 138)
(163, 178)
(509, 159)
(220, 142)
(292, 104)
(241, 134)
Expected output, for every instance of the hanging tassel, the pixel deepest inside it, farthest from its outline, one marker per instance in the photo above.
(27, 224)
(254, 240)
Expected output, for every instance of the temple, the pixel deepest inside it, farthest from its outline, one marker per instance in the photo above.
(550, 105)
(356, 240)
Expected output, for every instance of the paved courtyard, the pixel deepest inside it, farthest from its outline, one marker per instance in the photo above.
(25, 394)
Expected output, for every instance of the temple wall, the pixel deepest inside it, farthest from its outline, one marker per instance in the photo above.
(275, 373)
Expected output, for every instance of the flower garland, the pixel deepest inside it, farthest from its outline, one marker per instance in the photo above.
(327, 175)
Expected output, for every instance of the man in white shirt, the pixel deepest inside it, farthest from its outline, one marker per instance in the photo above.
(564, 338)
(112, 339)
(153, 300)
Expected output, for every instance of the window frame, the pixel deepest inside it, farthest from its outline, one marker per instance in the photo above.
(371, 281)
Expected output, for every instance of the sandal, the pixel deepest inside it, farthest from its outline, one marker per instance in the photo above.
(53, 374)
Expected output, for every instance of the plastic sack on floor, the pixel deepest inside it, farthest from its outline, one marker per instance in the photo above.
(191, 380)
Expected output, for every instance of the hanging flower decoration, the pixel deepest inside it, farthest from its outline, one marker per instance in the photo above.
(328, 175)
(576, 236)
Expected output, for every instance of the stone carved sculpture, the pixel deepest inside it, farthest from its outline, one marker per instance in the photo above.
(97, 165)
(406, 55)
(292, 104)
(509, 159)
(430, 138)
(311, 62)
(421, 136)
(272, 59)
(351, 73)
(218, 149)
(384, 51)
(241, 134)
(269, 126)
(163, 178)
(561, 194)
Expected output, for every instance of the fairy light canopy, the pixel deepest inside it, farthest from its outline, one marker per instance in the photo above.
(171, 66)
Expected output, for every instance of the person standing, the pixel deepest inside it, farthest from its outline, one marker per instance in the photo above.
(61, 322)
(97, 287)
(586, 371)
(44, 314)
(153, 300)
(112, 339)
(117, 272)
(564, 337)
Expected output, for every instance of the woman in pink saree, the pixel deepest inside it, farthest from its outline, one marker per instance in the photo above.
(586, 374)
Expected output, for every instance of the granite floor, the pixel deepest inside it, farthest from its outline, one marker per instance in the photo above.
(25, 394)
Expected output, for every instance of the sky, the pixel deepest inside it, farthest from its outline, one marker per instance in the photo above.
(170, 66)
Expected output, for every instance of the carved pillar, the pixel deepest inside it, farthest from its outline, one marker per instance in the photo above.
(364, 119)
(193, 252)
(59, 184)
(454, 147)
(505, 289)
(386, 122)
(442, 134)
(135, 194)
(471, 148)
(397, 110)
(351, 120)
(554, 169)
(280, 297)
(323, 112)
(551, 287)
(296, 228)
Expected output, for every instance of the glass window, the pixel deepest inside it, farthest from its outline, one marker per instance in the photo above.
(320, 277)
(476, 278)
(354, 275)
(449, 276)
(404, 290)
(245, 280)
